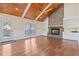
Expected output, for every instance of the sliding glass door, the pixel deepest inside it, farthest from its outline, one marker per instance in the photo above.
(30, 29)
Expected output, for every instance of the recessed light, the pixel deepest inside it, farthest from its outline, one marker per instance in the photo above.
(17, 9)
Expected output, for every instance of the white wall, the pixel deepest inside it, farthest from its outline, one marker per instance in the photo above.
(71, 10)
(71, 24)
(18, 26)
(0, 30)
(45, 27)
(71, 21)
(71, 16)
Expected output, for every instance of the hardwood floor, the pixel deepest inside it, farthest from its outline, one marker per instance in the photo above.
(40, 46)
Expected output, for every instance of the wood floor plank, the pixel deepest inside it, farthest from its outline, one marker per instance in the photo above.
(41, 46)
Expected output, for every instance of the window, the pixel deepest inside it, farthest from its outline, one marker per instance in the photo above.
(6, 29)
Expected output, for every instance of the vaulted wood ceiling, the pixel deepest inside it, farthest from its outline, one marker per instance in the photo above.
(49, 11)
(17, 9)
(12, 8)
(35, 10)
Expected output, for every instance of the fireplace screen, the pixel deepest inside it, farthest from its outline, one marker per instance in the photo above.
(55, 31)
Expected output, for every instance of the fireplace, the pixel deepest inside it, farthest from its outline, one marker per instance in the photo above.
(55, 31)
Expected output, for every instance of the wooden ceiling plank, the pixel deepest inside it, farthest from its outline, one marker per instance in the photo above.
(27, 7)
(43, 11)
(51, 9)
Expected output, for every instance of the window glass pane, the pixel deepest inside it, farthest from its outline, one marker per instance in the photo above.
(6, 29)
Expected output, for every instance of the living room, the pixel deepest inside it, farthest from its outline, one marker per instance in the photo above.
(39, 29)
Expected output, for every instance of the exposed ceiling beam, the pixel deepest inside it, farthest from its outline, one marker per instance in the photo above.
(26, 9)
(43, 11)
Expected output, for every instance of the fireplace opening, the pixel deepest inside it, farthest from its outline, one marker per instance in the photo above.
(55, 31)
